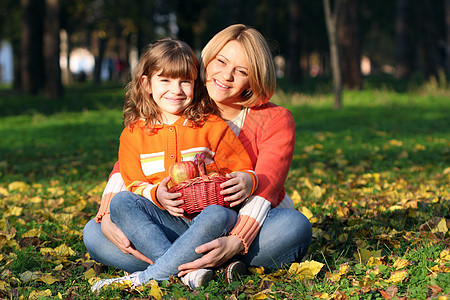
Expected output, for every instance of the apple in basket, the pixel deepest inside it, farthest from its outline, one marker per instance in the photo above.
(182, 171)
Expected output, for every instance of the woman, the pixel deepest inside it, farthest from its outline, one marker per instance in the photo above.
(239, 75)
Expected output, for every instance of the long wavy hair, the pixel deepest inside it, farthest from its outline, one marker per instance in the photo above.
(174, 59)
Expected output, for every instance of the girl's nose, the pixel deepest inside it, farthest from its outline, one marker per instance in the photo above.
(176, 88)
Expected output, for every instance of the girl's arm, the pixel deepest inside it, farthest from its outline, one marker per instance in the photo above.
(114, 185)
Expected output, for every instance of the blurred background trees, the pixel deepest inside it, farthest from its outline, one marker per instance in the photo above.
(56, 42)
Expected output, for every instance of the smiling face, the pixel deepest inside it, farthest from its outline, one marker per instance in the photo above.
(172, 95)
(227, 76)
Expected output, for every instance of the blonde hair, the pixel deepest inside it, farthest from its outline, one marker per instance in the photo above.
(262, 78)
(175, 59)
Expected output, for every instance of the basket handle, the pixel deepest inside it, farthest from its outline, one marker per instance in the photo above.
(200, 161)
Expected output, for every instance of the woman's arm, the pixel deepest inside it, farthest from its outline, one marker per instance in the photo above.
(216, 253)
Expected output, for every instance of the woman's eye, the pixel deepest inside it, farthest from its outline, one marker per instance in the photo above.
(243, 73)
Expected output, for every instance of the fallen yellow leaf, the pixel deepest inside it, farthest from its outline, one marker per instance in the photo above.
(48, 278)
(64, 250)
(35, 295)
(89, 274)
(32, 233)
(17, 186)
(155, 291)
(397, 276)
(317, 192)
(445, 255)
(14, 211)
(364, 255)
(441, 227)
(4, 285)
(3, 191)
(306, 270)
(304, 210)
(296, 198)
(400, 263)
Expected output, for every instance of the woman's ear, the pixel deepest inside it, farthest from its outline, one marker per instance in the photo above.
(145, 82)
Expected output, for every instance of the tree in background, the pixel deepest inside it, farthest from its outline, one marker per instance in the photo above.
(447, 22)
(349, 43)
(294, 72)
(53, 85)
(403, 46)
(428, 38)
(32, 59)
(331, 17)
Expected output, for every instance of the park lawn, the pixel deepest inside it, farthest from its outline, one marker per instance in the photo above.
(373, 178)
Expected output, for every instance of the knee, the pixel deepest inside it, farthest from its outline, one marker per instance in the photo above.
(90, 235)
(301, 224)
(296, 226)
(119, 202)
(218, 216)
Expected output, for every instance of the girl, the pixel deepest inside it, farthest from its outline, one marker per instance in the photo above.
(167, 121)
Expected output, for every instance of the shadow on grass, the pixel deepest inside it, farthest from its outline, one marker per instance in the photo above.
(77, 98)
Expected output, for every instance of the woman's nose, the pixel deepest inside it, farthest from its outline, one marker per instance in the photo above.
(228, 74)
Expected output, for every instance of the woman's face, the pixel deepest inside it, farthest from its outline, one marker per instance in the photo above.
(227, 75)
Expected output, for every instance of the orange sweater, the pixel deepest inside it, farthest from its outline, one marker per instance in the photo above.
(145, 157)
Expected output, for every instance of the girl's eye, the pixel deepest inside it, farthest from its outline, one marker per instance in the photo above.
(221, 61)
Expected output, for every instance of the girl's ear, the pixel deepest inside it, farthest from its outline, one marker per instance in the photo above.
(145, 82)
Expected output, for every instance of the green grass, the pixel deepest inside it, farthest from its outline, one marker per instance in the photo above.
(371, 174)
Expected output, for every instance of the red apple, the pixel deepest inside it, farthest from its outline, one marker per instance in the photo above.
(182, 171)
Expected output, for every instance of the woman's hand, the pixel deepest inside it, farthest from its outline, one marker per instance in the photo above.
(116, 236)
(237, 188)
(169, 200)
(216, 253)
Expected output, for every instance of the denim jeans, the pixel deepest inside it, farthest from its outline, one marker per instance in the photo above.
(169, 241)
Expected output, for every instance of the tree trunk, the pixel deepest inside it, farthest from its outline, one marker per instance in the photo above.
(331, 22)
(32, 63)
(349, 41)
(53, 85)
(428, 39)
(402, 40)
(294, 72)
(99, 59)
(447, 21)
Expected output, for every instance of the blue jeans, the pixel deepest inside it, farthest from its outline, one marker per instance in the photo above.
(285, 237)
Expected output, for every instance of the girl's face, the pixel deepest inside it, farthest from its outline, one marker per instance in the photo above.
(227, 75)
(172, 95)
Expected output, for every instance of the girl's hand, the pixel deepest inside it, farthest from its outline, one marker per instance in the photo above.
(168, 200)
(216, 253)
(238, 188)
(116, 236)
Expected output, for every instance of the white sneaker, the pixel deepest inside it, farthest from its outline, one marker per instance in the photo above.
(134, 278)
(198, 278)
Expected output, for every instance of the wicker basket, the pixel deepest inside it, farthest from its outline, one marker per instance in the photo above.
(200, 192)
